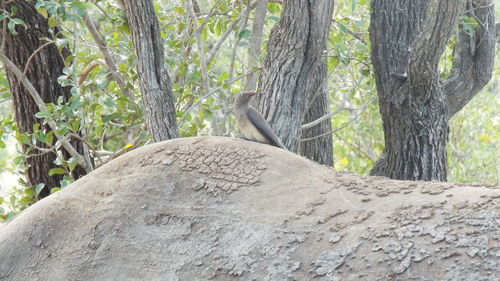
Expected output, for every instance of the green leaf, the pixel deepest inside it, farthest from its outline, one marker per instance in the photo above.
(343, 28)
(52, 22)
(223, 76)
(49, 137)
(72, 164)
(13, 11)
(179, 10)
(26, 201)
(218, 28)
(56, 171)
(79, 8)
(42, 114)
(24, 138)
(65, 183)
(38, 188)
(12, 25)
(17, 160)
(2, 144)
(62, 131)
(10, 215)
(54, 189)
(60, 42)
(245, 33)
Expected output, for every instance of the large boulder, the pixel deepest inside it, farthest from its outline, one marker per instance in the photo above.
(226, 209)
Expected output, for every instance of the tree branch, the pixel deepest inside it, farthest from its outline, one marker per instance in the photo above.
(110, 62)
(473, 60)
(431, 42)
(34, 54)
(219, 43)
(82, 161)
(255, 42)
(321, 119)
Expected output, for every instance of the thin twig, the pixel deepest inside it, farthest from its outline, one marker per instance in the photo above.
(219, 43)
(93, 64)
(110, 62)
(237, 42)
(357, 148)
(341, 127)
(201, 52)
(34, 53)
(321, 119)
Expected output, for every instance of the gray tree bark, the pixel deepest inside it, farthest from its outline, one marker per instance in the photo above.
(408, 38)
(159, 109)
(42, 71)
(293, 72)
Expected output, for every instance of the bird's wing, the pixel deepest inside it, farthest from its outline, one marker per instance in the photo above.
(263, 127)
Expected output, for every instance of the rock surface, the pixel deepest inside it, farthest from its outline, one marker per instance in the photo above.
(226, 209)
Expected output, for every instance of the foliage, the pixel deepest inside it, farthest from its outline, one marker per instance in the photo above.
(204, 81)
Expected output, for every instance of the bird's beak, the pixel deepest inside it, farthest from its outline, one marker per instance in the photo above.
(249, 94)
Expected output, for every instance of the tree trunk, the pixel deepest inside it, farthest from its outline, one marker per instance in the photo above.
(408, 39)
(43, 70)
(159, 109)
(291, 71)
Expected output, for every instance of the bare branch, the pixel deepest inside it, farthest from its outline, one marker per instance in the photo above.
(93, 64)
(201, 51)
(237, 42)
(363, 109)
(34, 54)
(82, 161)
(357, 148)
(255, 42)
(110, 62)
(219, 43)
(321, 119)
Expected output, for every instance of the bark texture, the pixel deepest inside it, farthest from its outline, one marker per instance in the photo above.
(158, 101)
(408, 38)
(293, 70)
(213, 208)
(43, 70)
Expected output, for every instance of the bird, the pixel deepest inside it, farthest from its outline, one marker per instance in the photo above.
(252, 124)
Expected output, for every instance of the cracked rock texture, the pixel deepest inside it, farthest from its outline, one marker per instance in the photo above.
(226, 209)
